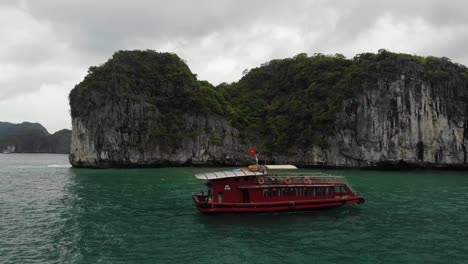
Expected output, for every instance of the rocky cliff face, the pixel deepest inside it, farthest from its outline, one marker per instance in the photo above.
(411, 115)
(406, 122)
(152, 122)
(122, 140)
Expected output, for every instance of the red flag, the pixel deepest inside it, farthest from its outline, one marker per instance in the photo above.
(252, 151)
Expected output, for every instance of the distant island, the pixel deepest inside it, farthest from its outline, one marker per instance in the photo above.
(32, 138)
(376, 110)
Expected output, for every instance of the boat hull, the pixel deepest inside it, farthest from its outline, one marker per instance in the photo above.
(283, 206)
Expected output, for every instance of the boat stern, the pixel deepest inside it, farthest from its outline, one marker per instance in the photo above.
(361, 200)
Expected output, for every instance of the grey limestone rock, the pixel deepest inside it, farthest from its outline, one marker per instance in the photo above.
(407, 120)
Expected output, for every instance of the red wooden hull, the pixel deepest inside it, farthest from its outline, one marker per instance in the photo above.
(280, 206)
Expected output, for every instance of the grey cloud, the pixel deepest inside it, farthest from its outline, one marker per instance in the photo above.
(31, 78)
(218, 38)
(98, 28)
(108, 25)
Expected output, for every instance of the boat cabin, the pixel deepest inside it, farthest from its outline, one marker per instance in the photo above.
(254, 189)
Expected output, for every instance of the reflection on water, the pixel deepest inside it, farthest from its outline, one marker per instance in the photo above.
(315, 217)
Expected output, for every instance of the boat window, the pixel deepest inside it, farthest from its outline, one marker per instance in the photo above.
(236, 179)
(343, 189)
(337, 189)
(220, 197)
(273, 192)
(246, 197)
(311, 191)
(319, 191)
(266, 192)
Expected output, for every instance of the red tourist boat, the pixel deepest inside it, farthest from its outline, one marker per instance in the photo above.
(254, 189)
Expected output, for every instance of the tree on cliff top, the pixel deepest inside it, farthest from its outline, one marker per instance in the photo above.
(292, 103)
(162, 80)
(162, 76)
(282, 105)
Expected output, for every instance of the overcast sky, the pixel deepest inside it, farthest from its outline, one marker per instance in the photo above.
(48, 45)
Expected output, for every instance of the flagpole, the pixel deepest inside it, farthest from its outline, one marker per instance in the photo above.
(253, 152)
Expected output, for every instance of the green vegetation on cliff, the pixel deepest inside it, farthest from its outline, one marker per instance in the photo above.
(161, 80)
(283, 105)
(292, 103)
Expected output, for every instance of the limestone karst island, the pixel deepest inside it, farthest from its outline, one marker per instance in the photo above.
(29, 137)
(147, 109)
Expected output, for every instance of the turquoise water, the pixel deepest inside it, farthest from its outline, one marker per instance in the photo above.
(54, 214)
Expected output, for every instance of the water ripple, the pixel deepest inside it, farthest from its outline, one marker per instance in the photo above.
(62, 215)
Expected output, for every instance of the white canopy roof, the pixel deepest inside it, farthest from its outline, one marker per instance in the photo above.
(281, 167)
(227, 174)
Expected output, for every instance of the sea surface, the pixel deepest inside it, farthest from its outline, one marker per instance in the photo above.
(51, 213)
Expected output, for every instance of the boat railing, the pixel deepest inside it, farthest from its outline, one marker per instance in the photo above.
(308, 178)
